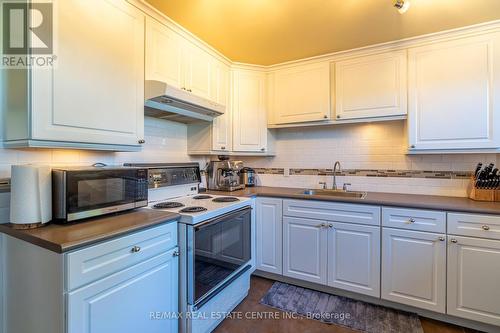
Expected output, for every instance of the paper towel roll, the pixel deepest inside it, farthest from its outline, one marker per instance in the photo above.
(31, 194)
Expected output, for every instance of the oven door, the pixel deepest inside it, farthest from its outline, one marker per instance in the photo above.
(222, 252)
(97, 192)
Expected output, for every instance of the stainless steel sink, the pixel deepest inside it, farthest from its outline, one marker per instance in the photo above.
(336, 193)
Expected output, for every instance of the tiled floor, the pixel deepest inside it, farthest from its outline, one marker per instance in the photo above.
(260, 286)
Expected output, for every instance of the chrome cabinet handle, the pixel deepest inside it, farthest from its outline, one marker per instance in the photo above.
(330, 226)
(141, 141)
(453, 240)
(485, 227)
(135, 249)
(176, 254)
(410, 221)
(442, 239)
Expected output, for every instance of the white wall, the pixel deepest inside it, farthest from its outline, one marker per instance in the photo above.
(380, 145)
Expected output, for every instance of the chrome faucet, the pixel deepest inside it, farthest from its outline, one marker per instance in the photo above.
(334, 187)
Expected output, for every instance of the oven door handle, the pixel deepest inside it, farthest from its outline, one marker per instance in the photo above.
(231, 215)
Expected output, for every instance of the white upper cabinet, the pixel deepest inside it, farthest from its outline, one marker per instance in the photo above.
(198, 67)
(454, 91)
(300, 94)
(221, 127)
(95, 93)
(249, 111)
(371, 86)
(175, 60)
(163, 54)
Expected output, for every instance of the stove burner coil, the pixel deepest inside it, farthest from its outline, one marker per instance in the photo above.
(194, 209)
(226, 199)
(168, 204)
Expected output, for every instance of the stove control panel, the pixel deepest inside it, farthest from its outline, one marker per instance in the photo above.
(161, 177)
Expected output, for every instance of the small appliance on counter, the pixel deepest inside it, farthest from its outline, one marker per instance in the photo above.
(83, 192)
(31, 196)
(224, 175)
(247, 177)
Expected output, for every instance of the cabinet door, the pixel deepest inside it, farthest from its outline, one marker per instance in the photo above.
(305, 249)
(414, 268)
(354, 258)
(473, 275)
(163, 54)
(198, 67)
(301, 94)
(371, 86)
(249, 112)
(454, 88)
(124, 302)
(221, 127)
(269, 234)
(95, 93)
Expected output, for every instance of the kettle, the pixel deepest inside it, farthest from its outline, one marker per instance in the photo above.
(247, 177)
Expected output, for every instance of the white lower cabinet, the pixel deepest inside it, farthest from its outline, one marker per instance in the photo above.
(305, 249)
(269, 231)
(126, 302)
(414, 268)
(473, 279)
(354, 258)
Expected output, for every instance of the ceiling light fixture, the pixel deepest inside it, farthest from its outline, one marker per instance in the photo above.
(402, 5)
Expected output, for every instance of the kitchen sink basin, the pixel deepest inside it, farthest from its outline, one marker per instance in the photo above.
(337, 193)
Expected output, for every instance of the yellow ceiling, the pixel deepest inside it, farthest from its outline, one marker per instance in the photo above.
(267, 32)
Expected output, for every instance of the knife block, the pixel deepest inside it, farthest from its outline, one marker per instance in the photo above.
(479, 194)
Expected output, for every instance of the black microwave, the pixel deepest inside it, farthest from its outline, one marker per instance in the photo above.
(80, 193)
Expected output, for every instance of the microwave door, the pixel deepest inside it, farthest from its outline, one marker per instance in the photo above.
(222, 248)
(93, 193)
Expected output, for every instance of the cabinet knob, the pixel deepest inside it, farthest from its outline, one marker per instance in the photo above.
(453, 240)
(322, 225)
(223, 148)
(135, 249)
(142, 141)
(176, 254)
(262, 149)
(189, 90)
(338, 117)
(330, 226)
(325, 116)
(412, 146)
(410, 221)
(442, 239)
(485, 227)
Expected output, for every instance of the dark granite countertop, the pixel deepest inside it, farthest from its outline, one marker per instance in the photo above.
(64, 238)
(434, 202)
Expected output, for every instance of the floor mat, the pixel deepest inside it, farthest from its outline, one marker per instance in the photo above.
(338, 310)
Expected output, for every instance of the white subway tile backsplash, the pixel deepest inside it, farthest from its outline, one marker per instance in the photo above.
(364, 146)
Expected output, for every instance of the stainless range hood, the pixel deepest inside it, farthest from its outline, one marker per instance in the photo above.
(167, 102)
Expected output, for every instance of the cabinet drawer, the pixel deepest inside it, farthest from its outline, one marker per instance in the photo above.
(95, 262)
(414, 219)
(332, 211)
(484, 226)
